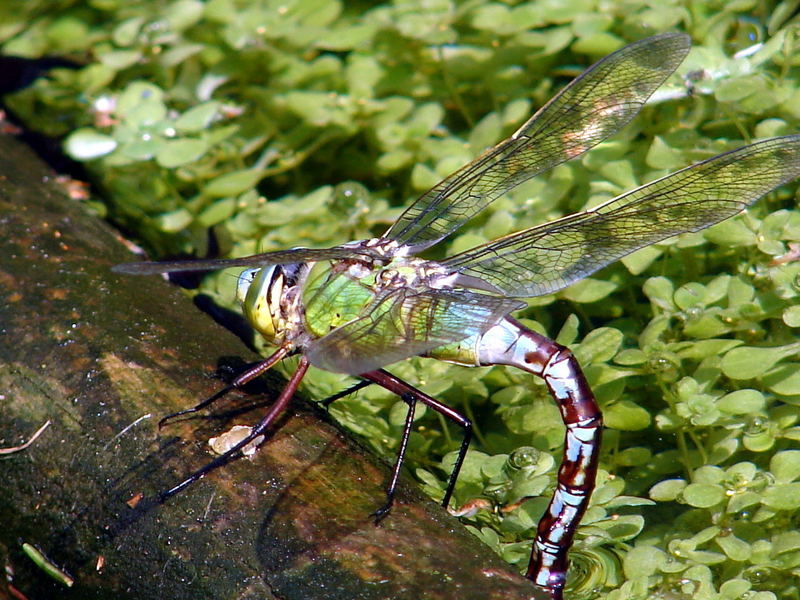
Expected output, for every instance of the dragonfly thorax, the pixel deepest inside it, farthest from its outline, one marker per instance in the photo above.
(339, 293)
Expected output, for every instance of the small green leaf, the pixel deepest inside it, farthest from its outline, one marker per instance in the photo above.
(315, 108)
(598, 44)
(423, 177)
(735, 589)
(492, 16)
(760, 439)
(494, 466)
(633, 457)
(741, 402)
(175, 220)
(785, 466)
(747, 362)
(690, 295)
(589, 290)
(119, 60)
(707, 325)
(642, 259)
(791, 316)
(784, 380)
(660, 291)
(218, 212)
(708, 474)
(126, 32)
(198, 117)
(607, 490)
(599, 345)
(569, 330)
(630, 357)
(486, 133)
(703, 349)
(140, 93)
(668, 490)
(703, 495)
(782, 496)
(232, 184)
(174, 153)
(626, 416)
(788, 541)
(733, 547)
(510, 395)
(705, 535)
(625, 527)
(662, 156)
(183, 14)
(742, 501)
(732, 90)
(141, 149)
(180, 53)
(499, 224)
(732, 232)
(644, 561)
(395, 160)
(88, 144)
(346, 38)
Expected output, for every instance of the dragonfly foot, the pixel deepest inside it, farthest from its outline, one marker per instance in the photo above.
(383, 511)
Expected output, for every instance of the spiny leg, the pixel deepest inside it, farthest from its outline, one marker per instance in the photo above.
(247, 376)
(339, 395)
(411, 395)
(409, 399)
(511, 343)
(401, 455)
(275, 410)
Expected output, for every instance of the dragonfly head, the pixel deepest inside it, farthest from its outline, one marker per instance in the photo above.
(261, 292)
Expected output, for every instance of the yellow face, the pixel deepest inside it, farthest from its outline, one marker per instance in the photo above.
(260, 292)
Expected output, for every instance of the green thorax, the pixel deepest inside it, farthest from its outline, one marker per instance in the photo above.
(336, 293)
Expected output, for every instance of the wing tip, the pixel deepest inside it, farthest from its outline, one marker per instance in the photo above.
(127, 268)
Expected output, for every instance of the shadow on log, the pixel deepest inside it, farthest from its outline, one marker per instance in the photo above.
(103, 357)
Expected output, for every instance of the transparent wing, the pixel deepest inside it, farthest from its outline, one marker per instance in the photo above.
(549, 257)
(591, 108)
(406, 323)
(281, 257)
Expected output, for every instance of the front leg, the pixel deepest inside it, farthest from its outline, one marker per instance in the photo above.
(511, 343)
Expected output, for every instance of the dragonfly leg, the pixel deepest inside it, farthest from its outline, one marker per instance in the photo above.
(411, 395)
(339, 395)
(511, 343)
(275, 410)
(379, 514)
(248, 375)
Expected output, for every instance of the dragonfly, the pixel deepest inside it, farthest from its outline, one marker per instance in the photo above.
(363, 305)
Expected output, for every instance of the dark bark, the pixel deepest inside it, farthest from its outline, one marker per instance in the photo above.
(95, 352)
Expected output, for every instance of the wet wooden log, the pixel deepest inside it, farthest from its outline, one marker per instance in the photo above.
(103, 357)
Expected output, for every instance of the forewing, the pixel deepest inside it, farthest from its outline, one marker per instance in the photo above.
(281, 257)
(549, 257)
(591, 108)
(406, 323)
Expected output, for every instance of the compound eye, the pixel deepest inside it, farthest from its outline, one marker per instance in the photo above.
(246, 279)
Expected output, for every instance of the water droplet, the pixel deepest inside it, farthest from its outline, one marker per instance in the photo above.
(525, 456)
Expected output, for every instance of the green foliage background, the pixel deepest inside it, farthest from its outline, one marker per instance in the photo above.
(312, 122)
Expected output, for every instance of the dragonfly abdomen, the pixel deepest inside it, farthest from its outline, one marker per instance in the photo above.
(510, 343)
